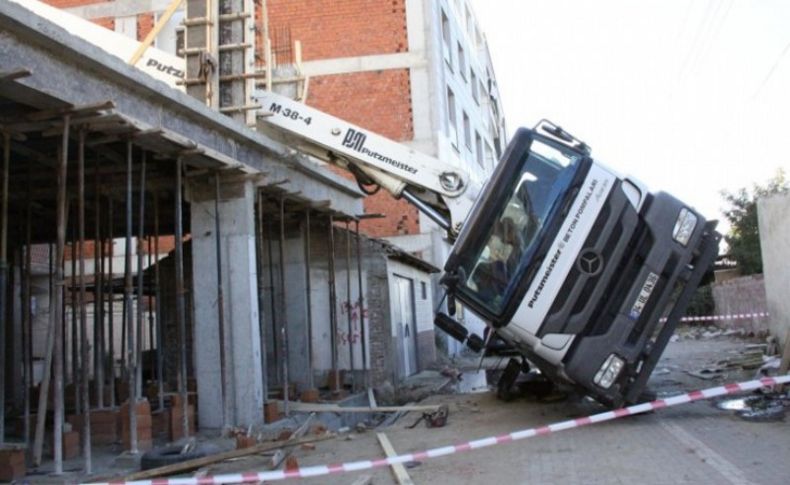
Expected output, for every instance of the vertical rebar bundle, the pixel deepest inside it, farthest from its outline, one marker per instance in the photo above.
(180, 308)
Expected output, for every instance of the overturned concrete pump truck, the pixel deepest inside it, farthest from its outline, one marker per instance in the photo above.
(581, 272)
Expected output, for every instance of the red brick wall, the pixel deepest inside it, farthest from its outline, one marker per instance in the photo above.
(106, 22)
(381, 102)
(145, 22)
(342, 28)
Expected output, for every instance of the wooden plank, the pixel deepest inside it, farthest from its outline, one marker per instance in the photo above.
(149, 39)
(372, 399)
(188, 465)
(398, 469)
(333, 408)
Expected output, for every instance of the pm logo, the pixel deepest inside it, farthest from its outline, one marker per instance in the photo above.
(354, 139)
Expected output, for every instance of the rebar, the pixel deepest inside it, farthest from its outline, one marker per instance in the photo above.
(86, 414)
(220, 304)
(127, 297)
(180, 309)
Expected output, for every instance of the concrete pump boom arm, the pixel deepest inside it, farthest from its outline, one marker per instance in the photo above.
(442, 191)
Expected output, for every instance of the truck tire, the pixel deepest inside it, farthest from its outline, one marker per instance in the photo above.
(168, 455)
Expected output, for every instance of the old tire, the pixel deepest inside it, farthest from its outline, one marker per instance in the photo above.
(168, 455)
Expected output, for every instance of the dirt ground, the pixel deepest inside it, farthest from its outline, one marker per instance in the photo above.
(693, 443)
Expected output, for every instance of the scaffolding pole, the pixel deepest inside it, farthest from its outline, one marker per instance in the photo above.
(308, 299)
(361, 306)
(111, 299)
(160, 335)
(4, 276)
(86, 404)
(127, 298)
(138, 357)
(284, 320)
(180, 294)
(98, 291)
(349, 308)
(26, 312)
(261, 316)
(333, 303)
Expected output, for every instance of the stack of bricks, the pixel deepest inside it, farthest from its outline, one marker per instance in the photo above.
(177, 418)
(12, 464)
(144, 434)
(104, 425)
(71, 442)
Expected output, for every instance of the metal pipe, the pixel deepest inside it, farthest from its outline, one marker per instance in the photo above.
(150, 308)
(261, 317)
(98, 292)
(138, 357)
(160, 336)
(86, 415)
(361, 306)
(428, 210)
(180, 309)
(26, 312)
(54, 346)
(75, 341)
(349, 308)
(333, 302)
(308, 299)
(111, 299)
(273, 303)
(220, 304)
(127, 298)
(4, 276)
(284, 320)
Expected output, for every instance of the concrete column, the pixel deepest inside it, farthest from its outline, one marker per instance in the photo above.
(243, 352)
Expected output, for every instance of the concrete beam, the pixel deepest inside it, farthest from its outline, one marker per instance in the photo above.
(380, 62)
(118, 9)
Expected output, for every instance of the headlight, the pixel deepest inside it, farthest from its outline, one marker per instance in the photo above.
(684, 226)
(609, 371)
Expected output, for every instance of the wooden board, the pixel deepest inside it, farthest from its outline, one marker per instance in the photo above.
(188, 465)
(334, 408)
(398, 469)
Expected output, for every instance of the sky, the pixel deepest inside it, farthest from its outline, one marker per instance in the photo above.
(688, 96)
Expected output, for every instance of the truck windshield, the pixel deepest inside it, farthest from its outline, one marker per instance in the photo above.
(523, 209)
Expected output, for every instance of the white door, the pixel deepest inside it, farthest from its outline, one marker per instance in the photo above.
(406, 325)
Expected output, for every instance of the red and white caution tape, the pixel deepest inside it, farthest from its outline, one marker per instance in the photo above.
(734, 316)
(314, 471)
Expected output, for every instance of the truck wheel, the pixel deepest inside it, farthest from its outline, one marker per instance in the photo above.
(504, 389)
(168, 455)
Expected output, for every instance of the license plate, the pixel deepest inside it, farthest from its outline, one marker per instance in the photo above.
(644, 295)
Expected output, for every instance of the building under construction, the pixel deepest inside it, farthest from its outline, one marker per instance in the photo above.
(155, 245)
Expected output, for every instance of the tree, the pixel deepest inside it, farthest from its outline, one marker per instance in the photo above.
(744, 236)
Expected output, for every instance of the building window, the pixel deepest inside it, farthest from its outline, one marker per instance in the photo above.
(490, 156)
(479, 150)
(424, 290)
(475, 86)
(467, 132)
(452, 132)
(446, 43)
(461, 61)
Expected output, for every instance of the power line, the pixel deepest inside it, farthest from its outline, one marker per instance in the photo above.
(773, 69)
